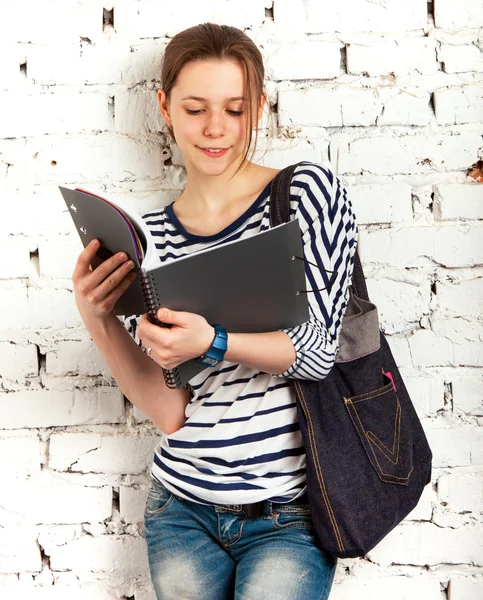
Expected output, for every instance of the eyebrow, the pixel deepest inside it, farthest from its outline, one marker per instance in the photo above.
(199, 99)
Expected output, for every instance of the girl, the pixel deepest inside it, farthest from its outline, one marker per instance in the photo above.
(227, 515)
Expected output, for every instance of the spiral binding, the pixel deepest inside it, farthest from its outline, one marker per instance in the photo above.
(151, 301)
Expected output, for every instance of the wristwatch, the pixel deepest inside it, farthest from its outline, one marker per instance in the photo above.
(216, 352)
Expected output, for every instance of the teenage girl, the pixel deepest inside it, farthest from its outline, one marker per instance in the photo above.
(227, 514)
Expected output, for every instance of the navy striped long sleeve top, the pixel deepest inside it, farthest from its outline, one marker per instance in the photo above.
(241, 441)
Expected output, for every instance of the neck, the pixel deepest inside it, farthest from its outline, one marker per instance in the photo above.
(215, 194)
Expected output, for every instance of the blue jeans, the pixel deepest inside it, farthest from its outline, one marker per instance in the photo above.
(207, 552)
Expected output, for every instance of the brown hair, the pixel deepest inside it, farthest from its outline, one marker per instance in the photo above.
(209, 41)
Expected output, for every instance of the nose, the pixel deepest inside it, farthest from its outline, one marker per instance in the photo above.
(214, 126)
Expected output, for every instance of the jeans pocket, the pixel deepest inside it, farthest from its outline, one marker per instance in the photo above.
(297, 517)
(384, 433)
(158, 500)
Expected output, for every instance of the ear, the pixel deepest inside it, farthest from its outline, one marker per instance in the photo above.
(164, 107)
(263, 101)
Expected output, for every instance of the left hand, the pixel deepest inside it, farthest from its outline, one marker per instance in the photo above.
(189, 336)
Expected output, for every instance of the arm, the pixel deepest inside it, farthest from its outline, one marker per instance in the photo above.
(138, 377)
(307, 351)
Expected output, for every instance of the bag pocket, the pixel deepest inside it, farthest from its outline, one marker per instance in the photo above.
(384, 432)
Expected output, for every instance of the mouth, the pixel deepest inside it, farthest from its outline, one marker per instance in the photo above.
(214, 152)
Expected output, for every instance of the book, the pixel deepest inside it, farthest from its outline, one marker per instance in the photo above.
(249, 285)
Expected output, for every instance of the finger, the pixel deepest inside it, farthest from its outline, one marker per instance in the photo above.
(85, 258)
(105, 287)
(113, 296)
(108, 267)
(173, 317)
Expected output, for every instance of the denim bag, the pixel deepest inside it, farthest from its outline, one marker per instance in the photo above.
(368, 459)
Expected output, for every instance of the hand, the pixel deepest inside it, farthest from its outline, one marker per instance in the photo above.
(189, 336)
(97, 291)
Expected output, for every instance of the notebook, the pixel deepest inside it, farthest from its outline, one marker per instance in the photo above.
(251, 285)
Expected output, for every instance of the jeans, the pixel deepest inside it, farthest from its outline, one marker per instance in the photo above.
(208, 552)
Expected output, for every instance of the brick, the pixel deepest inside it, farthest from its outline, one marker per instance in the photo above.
(405, 247)
(400, 305)
(424, 509)
(101, 454)
(406, 107)
(381, 203)
(57, 257)
(453, 297)
(458, 246)
(460, 59)
(427, 394)
(101, 554)
(20, 551)
(132, 502)
(321, 17)
(469, 588)
(325, 107)
(54, 408)
(457, 105)
(53, 113)
(412, 154)
(68, 64)
(285, 152)
(462, 492)
(19, 454)
(148, 18)
(56, 501)
(137, 113)
(426, 544)
(451, 447)
(400, 350)
(465, 336)
(52, 308)
(313, 60)
(75, 357)
(468, 15)
(13, 55)
(455, 201)
(13, 300)
(39, 22)
(24, 590)
(18, 361)
(104, 157)
(381, 588)
(399, 57)
(18, 262)
(431, 350)
(468, 395)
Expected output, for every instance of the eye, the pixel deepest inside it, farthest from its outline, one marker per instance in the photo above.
(235, 113)
(193, 112)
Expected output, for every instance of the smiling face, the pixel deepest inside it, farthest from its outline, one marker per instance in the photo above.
(208, 112)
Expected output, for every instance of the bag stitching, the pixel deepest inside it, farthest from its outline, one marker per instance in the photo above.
(318, 469)
(397, 438)
(339, 361)
(373, 392)
(368, 445)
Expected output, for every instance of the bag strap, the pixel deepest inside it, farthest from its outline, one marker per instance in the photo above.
(280, 213)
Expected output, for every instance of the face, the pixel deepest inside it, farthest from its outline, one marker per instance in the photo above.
(208, 112)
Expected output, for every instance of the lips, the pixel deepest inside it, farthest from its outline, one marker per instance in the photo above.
(214, 152)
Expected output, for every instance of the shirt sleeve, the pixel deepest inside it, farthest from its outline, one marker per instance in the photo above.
(329, 235)
(131, 324)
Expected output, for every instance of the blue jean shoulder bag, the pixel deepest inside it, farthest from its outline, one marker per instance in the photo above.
(368, 459)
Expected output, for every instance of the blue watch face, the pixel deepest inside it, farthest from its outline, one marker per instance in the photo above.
(208, 361)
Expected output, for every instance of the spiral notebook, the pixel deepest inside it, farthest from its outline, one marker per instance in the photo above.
(251, 285)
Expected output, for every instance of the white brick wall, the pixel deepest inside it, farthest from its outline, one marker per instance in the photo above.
(394, 96)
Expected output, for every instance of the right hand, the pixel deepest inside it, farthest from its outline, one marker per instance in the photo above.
(97, 291)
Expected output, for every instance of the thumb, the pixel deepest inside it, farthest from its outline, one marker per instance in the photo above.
(172, 317)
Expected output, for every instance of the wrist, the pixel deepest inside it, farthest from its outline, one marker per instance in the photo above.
(216, 351)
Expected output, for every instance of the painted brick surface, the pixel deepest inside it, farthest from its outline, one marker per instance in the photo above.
(391, 92)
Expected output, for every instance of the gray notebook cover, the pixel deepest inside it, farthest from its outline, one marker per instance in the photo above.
(248, 286)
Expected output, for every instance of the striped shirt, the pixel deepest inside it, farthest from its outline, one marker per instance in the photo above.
(241, 442)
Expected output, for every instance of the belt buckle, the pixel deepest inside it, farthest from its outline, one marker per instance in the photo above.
(254, 510)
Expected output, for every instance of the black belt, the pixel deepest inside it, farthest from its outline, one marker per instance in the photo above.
(257, 509)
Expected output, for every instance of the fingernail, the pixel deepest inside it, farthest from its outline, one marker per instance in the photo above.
(122, 256)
